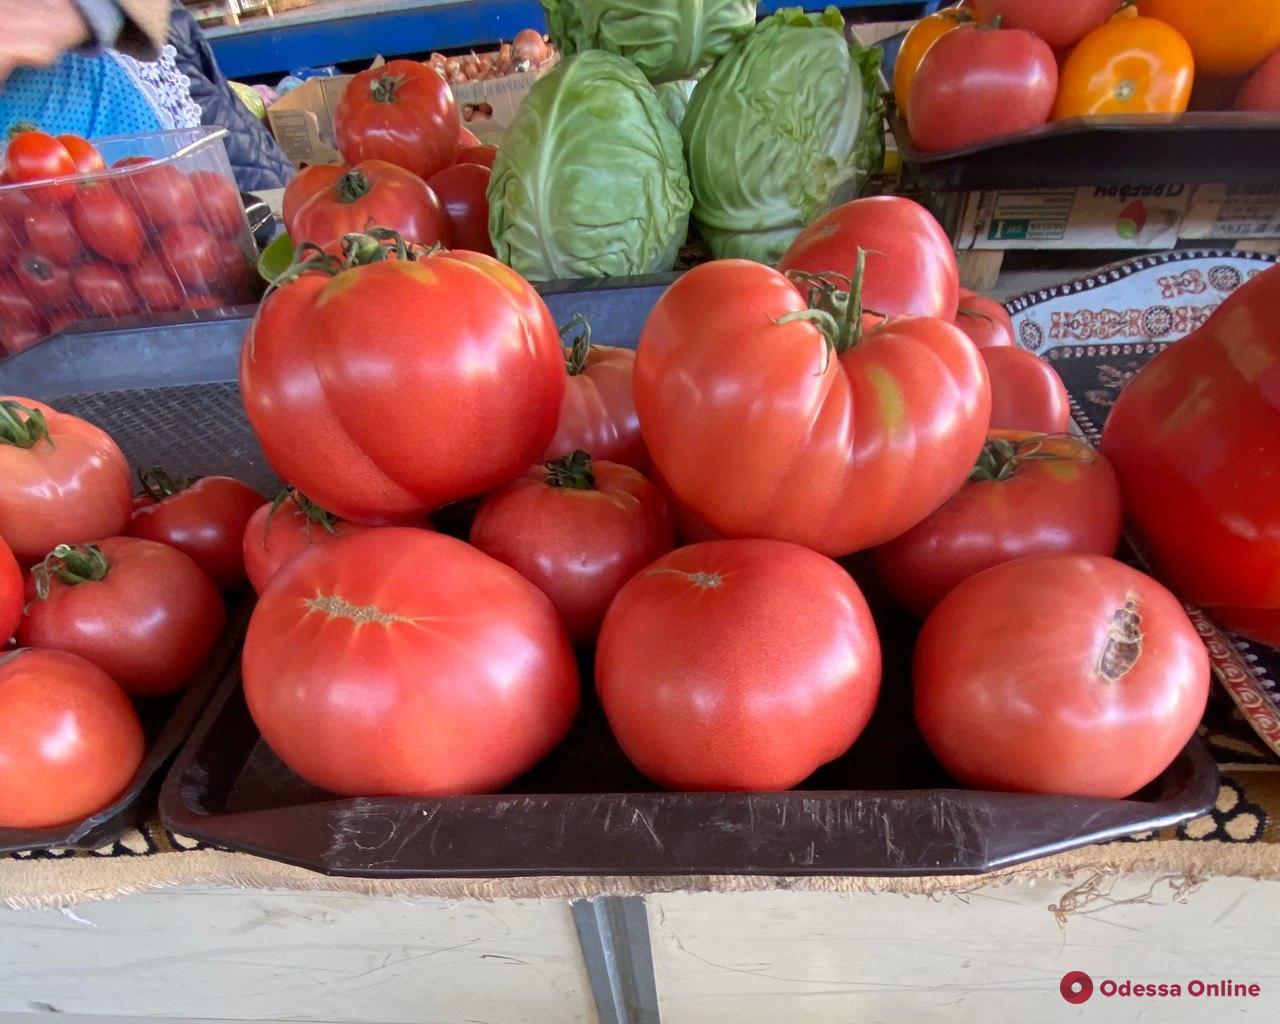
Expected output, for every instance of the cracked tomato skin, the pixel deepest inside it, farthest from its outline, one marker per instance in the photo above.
(738, 665)
(400, 662)
(1071, 674)
(1195, 441)
(400, 386)
(762, 431)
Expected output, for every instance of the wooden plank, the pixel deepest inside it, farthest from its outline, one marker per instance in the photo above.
(238, 955)
(995, 955)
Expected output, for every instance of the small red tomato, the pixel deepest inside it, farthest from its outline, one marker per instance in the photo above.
(143, 612)
(19, 313)
(1026, 392)
(161, 195)
(461, 189)
(193, 256)
(302, 186)
(984, 320)
(37, 156)
(220, 200)
(104, 290)
(154, 286)
(204, 518)
(1029, 494)
(48, 284)
(107, 224)
(84, 154)
(70, 740)
(50, 232)
(283, 529)
(477, 154)
(577, 530)
(239, 281)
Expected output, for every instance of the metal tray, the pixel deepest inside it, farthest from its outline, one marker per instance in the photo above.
(1227, 147)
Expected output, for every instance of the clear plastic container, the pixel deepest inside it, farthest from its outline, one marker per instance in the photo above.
(156, 236)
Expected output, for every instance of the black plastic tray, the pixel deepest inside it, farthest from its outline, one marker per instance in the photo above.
(1228, 147)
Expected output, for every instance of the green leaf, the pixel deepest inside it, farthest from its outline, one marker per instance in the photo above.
(276, 258)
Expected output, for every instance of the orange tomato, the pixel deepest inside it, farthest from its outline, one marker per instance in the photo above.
(1126, 66)
(1228, 37)
(922, 35)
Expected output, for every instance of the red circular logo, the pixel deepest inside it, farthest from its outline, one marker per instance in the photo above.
(1076, 987)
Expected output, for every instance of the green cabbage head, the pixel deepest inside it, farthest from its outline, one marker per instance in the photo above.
(590, 178)
(666, 39)
(674, 97)
(789, 120)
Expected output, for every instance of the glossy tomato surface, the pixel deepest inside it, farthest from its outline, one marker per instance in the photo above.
(1029, 494)
(577, 529)
(403, 662)
(70, 741)
(192, 256)
(461, 189)
(919, 38)
(103, 289)
(978, 84)
(910, 265)
(84, 154)
(599, 410)
(46, 284)
(371, 194)
(205, 518)
(757, 426)
(11, 593)
(35, 156)
(1059, 674)
(1026, 392)
(154, 285)
(162, 196)
(1058, 22)
(302, 186)
(1126, 66)
(278, 531)
(1226, 38)
(1262, 91)
(984, 320)
(50, 233)
(64, 480)
(1195, 440)
(737, 665)
(477, 154)
(222, 211)
(452, 390)
(107, 223)
(402, 112)
(143, 612)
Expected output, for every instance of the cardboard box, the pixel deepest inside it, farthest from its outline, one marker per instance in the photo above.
(302, 121)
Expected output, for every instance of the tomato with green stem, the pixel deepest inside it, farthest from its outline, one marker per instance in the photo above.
(373, 193)
(308, 182)
(984, 320)
(142, 611)
(282, 529)
(577, 528)
(70, 740)
(36, 156)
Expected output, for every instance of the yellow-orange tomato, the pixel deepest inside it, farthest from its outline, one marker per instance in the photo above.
(1126, 66)
(923, 34)
(1228, 37)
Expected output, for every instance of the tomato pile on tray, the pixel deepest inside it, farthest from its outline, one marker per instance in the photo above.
(989, 68)
(84, 243)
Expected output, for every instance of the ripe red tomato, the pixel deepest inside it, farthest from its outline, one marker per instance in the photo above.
(65, 481)
(984, 320)
(403, 662)
(465, 336)
(372, 194)
(302, 186)
(1026, 392)
(104, 290)
(461, 189)
(11, 593)
(599, 410)
(402, 112)
(1058, 22)
(767, 427)
(467, 138)
(477, 154)
(70, 741)
(204, 518)
(1068, 674)
(47, 284)
(978, 83)
(193, 256)
(84, 154)
(282, 529)
(1028, 495)
(577, 529)
(18, 313)
(1195, 439)
(107, 224)
(154, 285)
(142, 611)
(220, 202)
(910, 265)
(161, 195)
(1262, 90)
(37, 156)
(737, 665)
(51, 234)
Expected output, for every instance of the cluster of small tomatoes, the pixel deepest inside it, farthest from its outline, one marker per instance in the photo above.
(84, 241)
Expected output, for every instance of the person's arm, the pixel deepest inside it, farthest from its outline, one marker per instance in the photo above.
(36, 33)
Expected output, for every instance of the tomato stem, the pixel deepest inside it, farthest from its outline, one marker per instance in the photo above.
(572, 472)
(307, 258)
(1000, 457)
(576, 359)
(352, 186)
(384, 88)
(313, 512)
(158, 484)
(21, 425)
(72, 564)
(835, 306)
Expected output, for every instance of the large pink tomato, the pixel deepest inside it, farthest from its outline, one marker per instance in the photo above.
(770, 419)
